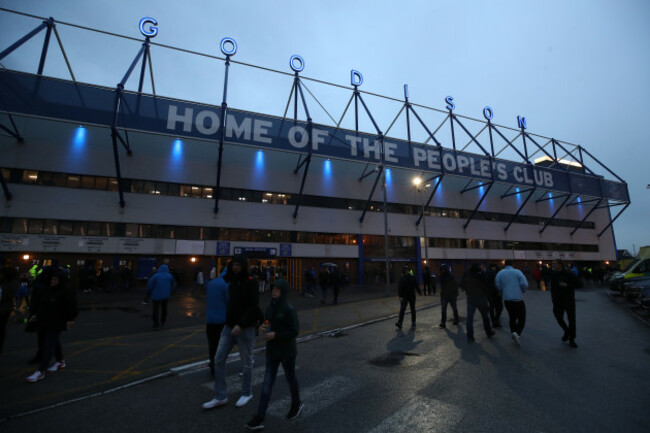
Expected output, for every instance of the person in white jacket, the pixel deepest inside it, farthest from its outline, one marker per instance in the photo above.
(511, 284)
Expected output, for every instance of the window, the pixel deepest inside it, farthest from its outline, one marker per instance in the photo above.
(74, 181)
(131, 230)
(30, 176)
(65, 228)
(94, 229)
(50, 227)
(19, 226)
(80, 228)
(35, 226)
(112, 184)
(101, 183)
(88, 182)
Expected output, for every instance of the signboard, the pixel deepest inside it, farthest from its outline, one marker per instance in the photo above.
(223, 248)
(285, 250)
(80, 103)
(254, 252)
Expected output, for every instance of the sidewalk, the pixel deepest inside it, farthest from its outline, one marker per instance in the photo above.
(112, 345)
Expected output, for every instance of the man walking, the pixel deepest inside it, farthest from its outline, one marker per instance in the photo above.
(280, 331)
(159, 289)
(426, 280)
(448, 295)
(563, 285)
(475, 285)
(241, 320)
(494, 297)
(511, 284)
(406, 292)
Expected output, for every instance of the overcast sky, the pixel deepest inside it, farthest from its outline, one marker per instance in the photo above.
(578, 70)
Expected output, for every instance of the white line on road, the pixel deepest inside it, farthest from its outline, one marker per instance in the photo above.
(317, 397)
(421, 415)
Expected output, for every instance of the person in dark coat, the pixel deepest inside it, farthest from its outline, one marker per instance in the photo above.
(336, 282)
(475, 284)
(280, 331)
(9, 284)
(563, 285)
(55, 308)
(448, 295)
(495, 302)
(406, 289)
(324, 279)
(159, 289)
(241, 323)
(426, 280)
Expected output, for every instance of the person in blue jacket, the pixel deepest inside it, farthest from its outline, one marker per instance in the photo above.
(215, 317)
(159, 288)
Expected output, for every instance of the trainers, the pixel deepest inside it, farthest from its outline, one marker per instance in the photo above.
(256, 423)
(399, 325)
(491, 334)
(442, 326)
(243, 400)
(515, 338)
(573, 344)
(413, 326)
(35, 377)
(214, 403)
(294, 411)
(565, 337)
(57, 366)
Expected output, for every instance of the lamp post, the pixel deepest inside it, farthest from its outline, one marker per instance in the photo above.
(417, 181)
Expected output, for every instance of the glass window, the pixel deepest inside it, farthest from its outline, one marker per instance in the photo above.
(192, 233)
(94, 229)
(101, 183)
(88, 182)
(19, 226)
(112, 184)
(35, 226)
(45, 178)
(150, 188)
(50, 227)
(161, 188)
(137, 187)
(65, 227)
(59, 179)
(80, 228)
(131, 230)
(74, 181)
(109, 229)
(208, 192)
(30, 176)
(6, 225)
(174, 189)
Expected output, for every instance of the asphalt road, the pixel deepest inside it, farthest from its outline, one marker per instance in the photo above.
(376, 379)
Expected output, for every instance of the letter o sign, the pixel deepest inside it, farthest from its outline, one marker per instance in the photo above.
(228, 42)
(152, 30)
(297, 63)
(488, 113)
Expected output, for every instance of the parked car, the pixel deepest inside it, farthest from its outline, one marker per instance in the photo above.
(644, 298)
(632, 289)
(639, 268)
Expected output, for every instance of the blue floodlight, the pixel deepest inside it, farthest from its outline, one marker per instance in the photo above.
(79, 140)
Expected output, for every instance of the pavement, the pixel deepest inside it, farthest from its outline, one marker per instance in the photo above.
(375, 378)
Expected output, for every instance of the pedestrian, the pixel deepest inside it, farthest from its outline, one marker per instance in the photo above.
(324, 282)
(159, 289)
(546, 276)
(241, 322)
(336, 283)
(448, 295)
(537, 276)
(215, 317)
(55, 308)
(475, 284)
(22, 293)
(198, 282)
(9, 284)
(406, 289)
(563, 285)
(426, 281)
(495, 302)
(213, 273)
(280, 330)
(512, 284)
(38, 285)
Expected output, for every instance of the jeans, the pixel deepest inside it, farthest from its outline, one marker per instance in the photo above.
(159, 318)
(336, 289)
(517, 313)
(402, 309)
(213, 332)
(272, 365)
(480, 302)
(451, 301)
(245, 342)
(568, 306)
(496, 308)
(51, 347)
(426, 286)
(323, 290)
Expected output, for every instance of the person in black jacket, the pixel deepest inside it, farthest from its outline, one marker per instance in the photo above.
(241, 323)
(280, 331)
(563, 285)
(475, 284)
(495, 301)
(55, 308)
(9, 283)
(407, 287)
(448, 295)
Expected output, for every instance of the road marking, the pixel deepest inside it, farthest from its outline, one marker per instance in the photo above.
(316, 397)
(421, 414)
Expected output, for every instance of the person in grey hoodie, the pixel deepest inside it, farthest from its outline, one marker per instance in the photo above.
(511, 284)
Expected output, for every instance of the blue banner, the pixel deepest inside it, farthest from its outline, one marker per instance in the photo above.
(81, 103)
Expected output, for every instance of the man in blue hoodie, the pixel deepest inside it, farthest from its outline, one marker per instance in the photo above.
(159, 288)
(511, 284)
(215, 317)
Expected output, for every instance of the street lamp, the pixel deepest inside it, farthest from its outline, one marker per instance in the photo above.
(417, 182)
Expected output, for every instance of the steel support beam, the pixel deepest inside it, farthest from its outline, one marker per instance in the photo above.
(477, 186)
(309, 140)
(548, 221)
(471, 136)
(543, 198)
(509, 143)
(508, 193)
(372, 191)
(222, 128)
(14, 133)
(471, 217)
(614, 219)
(586, 216)
(433, 192)
(514, 217)
(576, 203)
(5, 188)
(22, 40)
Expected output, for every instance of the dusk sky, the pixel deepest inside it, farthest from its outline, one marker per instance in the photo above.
(577, 70)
